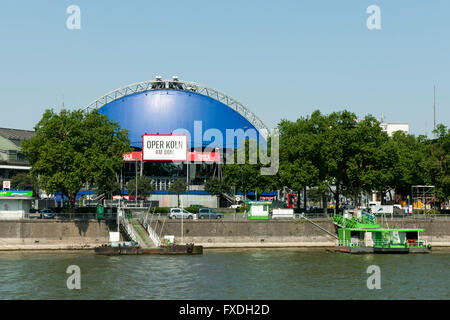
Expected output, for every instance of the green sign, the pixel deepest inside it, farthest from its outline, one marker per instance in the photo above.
(259, 202)
(259, 210)
(14, 193)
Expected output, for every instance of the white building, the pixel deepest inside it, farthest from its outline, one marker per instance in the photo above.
(390, 128)
(12, 160)
(15, 208)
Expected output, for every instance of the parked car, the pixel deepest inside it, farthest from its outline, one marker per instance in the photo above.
(177, 213)
(207, 213)
(317, 210)
(34, 213)
(235, 206)
(47, 214)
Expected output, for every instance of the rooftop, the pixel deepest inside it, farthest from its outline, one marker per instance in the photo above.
(16, 136)
(7, 145)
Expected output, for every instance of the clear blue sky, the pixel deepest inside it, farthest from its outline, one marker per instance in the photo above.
(282, 59)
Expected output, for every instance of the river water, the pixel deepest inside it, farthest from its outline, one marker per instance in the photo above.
(225, 274)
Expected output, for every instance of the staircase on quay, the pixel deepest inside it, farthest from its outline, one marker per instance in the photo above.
(138, 229)
(145, 232)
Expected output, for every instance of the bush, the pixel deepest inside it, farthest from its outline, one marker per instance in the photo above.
(192, 209)
(428, 211)
(86, 210)
(242, 208)
(164, 210)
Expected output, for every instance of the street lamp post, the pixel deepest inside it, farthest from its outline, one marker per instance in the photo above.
(135, 196)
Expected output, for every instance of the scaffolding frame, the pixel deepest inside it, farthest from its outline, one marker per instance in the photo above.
(425, 194)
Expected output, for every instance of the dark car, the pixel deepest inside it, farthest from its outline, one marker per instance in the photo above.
(47, 214)
(206, 213)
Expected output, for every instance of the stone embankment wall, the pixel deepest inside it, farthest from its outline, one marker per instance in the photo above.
(437, 231)
(54, 234)
(257, 233)
(283, 233)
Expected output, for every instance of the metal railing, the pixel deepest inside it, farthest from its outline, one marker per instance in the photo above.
(381, 243)
(126, 228)
(351, 243)
(423, 216)
(153, 236)
(72, 216)
(408, 244)
(317, 215)
(117, 203)
(315, 224)
(151, 232)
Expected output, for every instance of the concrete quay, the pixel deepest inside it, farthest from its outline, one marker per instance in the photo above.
(87, 234)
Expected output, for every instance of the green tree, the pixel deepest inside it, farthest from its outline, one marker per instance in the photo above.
(144, 186)
(217, 187)
(303, 158)
(370, 160)
(108, 187)
(407, 170)
(315, 195)
(245, 172)
(178, 187)
(25, 181)
(72, 148)
(339, 149)
(436, 164)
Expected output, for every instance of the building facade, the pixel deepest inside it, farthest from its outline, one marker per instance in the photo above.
(12, 160)
(390, 128)
(212, 121)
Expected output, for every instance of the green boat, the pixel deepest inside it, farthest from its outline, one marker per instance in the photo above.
(364, 235)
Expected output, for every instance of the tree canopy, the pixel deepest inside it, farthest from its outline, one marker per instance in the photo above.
(25, 181)
(245, 171)
(436, 165)
(217, 187)
(178, 186)
(144, 186)
(337, 153)
(342, 154)
(72, 148)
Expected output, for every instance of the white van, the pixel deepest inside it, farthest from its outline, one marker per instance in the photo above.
(374, 203)
(177, 213)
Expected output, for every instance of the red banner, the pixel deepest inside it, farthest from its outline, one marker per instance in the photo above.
(204, 156)
(193, 156)
(132, 156)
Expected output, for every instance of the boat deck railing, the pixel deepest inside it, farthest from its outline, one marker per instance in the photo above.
(351, 243)
(408, 244)
(382, 243)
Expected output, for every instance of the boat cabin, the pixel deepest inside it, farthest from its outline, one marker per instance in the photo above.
(380, 237)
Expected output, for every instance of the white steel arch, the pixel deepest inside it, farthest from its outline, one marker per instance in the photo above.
(176, 84)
